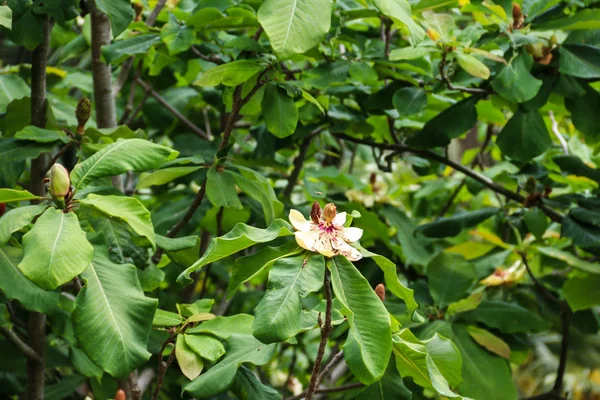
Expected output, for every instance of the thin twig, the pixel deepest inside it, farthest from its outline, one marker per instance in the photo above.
(556, 132)
(446, 79)
(299, 161)
(58, 155)
(20, 344)
(196, 129)
(338, 389)
(162, 365)
(326, 328)
(212, 58)
(332, 363)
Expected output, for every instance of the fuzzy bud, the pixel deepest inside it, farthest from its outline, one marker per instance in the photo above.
(83, 113)
(329, 212)
(530, 185)
(315, 212)
(120, 395)
(518, 18)
(138, 8)
(60, 183)
(380, 291)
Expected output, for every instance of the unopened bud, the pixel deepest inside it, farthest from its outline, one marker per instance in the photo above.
(138, 8)
(315, 212)
(60, 184)
(329, 212)
(530, 185)
(433, 34)
(120, 395)
(83, 113)
(517, 15)
(380, 291)
(373, 178)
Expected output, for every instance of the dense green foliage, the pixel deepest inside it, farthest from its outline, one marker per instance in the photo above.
(458, 140)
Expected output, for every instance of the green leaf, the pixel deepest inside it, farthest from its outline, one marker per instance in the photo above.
(489, 341)
(27, 26)
(580, 60)
(450, 276)
(416, 249)
(163, 176)
(36, 134)
(409, 101)
(410, 53)
(574, 165)
(6, 18)
(205, 346)
(224, 327)
(368, 347)
(583, 19)
(190, 363)
(138, 44)
(295, 26)
(129, 209)
(399, 10)
(452, 226)
(230, 74)
(256, 186)
(220, 188)
(56, 250)
(176, 244)
(246, 386)
(119, 12)
(570, 259)
(239, 238)
(515, 83)
(392, 282)
(279, 111)
(12, 86)
(124, 155)
(164, 318)
(536, 222)
(582, 292)
(472, 65)
(248, 267)
(583, 114)
(16, 219)
(112, 318)
(524, 136)
(468, 304)
(507, 317)
(277, 316)
(16, 286)
(484, 375)
(390, 387)
(239, 349)
(441, 23)
(176, 36)
(583, 235)
(447, 125)
(12, 195)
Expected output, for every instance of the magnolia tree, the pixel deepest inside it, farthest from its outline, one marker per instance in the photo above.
(299, 199)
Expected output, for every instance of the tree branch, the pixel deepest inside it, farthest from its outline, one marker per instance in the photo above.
(299, 161)
(162, 365)
(332, 363)
(442, 68)
(325, 332)
(12, 337)
(338, 389)
(213, 59)
(196, 129)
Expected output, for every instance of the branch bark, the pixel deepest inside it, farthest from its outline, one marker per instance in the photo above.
(325, 332)
(299, 161)
(36, 366)
(12, 337)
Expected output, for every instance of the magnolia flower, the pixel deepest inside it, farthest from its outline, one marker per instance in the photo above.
(505, 276)
(325, 233)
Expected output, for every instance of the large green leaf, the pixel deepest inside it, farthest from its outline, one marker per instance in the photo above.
(451, 226)
(12, 87)
(56, 250)
(176, 36)
(515, 83)
(220, 188)
(128, 209)
(17, 219)
(256, 186)
(583, 114)
(416, 249)
(241, 347)
(484, 375)
(190, 363)
(390, 387)
(247, 386)
(369, 344)
(11, 195)
(570, 259)
(230, 74)
(6, 17)
(124, 155)
(112, 318)
(507, 317)
(580, 60)
(16, 286)
(583, 234)
(119, 12)
(279, 111)
(206, 346)
(31, 132)
(582, 292)
(138, 44)
(277, 316)
(449, 276)
(239, 238)
(572, 164)
(584, 19)
(400, 10)
(246, 268)
(295, 26)
(409, 101)
(445, 126)
(524, 136)
(163, 176)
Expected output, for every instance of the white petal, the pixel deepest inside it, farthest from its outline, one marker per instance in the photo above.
(298, 221)
(350, 252)
(307, 240)
(340, 219)
(352, 234)
(324, 246)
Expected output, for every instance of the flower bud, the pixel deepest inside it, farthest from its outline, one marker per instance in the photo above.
(531, 185)
(329, 212)
(315, 212)
(433, 34)
(83, 113)
(518, 18)
(60, 184)
(120, 395)
(380, 291)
